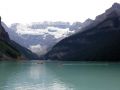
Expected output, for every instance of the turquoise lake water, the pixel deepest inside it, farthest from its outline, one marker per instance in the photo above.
(30, 75)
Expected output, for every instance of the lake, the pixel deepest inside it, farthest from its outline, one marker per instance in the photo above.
(31, 75)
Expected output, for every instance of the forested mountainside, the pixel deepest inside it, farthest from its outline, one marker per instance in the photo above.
(10, 50)
(100, 41)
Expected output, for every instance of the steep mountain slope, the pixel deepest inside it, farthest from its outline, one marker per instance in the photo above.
(100, 41)
(38, 37)
(10, 50)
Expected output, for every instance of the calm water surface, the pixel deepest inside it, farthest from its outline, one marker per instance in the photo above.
(30, 75)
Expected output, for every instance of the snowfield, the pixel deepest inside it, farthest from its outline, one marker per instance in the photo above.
(37, 40)
(40, 37)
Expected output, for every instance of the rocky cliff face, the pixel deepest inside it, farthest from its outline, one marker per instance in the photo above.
(100, 41)
(10, 50)
(3, 33)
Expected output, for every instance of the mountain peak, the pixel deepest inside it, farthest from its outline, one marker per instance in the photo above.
(115, 8)
(116, 5)
(113, 11)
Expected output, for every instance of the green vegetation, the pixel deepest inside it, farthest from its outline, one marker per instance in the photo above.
(6, 49)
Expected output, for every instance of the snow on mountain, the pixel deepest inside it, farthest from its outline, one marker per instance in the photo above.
(45, 24)
(54, 31)
(40, 50)
(38, 39)
(99, 41)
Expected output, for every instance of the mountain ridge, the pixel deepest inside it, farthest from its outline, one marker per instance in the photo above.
(100, 41)
(10, 50)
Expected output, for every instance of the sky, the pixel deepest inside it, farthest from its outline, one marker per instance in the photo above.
(26, 11)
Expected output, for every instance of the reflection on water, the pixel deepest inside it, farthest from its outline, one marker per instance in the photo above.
(36, 71)
(59, 76)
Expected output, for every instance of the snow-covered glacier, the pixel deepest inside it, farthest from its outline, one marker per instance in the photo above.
(35, 38)
(40, 37)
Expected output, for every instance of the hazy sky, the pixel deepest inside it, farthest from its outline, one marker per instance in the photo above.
(25, 11)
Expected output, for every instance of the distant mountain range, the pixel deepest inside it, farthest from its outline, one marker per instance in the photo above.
(92, 40)
(98, 41)
(40, 37)
(10, 50)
